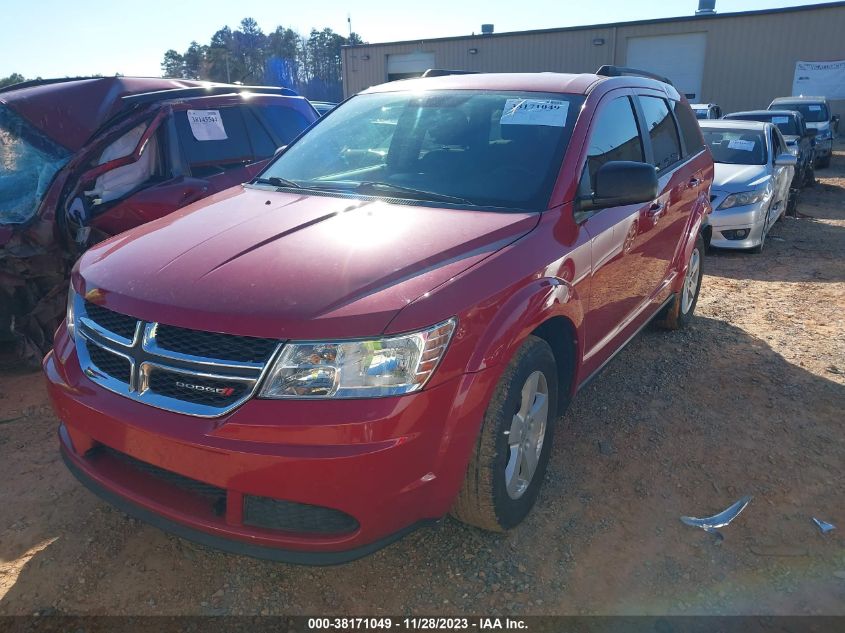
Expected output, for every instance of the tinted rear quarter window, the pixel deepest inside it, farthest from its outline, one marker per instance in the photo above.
(690, 129)
(661, 128)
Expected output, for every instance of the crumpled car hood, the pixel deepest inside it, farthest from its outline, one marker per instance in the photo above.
(737, 178)
(262, 263)
(70, 112)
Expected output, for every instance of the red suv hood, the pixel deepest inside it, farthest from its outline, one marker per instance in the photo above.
(261, 263)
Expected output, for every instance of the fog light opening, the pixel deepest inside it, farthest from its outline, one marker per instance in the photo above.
(736, 234)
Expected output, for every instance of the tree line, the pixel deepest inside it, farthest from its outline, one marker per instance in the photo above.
(310, 65)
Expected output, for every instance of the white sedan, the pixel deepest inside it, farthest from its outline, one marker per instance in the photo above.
(751, 186)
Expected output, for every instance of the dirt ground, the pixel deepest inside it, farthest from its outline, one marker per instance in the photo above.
(749, 400)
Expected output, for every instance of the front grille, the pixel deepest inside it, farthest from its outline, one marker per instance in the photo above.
(196, 389)
(274, 514)
(120, 324)
(187, 371)
(246, 349)
(110, 364)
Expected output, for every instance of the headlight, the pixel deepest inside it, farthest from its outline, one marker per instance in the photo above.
(744, 198)
(70, 318)
(358, 369)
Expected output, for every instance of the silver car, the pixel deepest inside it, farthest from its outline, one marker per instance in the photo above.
(750, 189)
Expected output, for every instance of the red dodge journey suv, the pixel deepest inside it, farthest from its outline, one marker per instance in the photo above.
(384, 325)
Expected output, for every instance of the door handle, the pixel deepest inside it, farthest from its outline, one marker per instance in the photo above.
(656, 210)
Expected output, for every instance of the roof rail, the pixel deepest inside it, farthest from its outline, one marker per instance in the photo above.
(442, 72)
(30, 83)
(623, 71)
(203, 91)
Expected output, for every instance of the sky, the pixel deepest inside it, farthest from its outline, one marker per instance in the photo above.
(58, 38)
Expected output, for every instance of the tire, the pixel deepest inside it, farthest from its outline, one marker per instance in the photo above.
(679, 313)
(759, 248)
(486, 500)
(810, 176)
(791, 205)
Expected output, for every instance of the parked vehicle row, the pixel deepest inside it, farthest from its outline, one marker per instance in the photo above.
(756, 182)
(383, 326)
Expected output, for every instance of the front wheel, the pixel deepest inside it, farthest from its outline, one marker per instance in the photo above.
(509, 461)
(679, 312)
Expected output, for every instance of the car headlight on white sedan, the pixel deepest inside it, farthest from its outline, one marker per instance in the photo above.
(745, 198)
(388, 366)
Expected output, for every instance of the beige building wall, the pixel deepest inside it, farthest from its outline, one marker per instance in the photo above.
(749, 59)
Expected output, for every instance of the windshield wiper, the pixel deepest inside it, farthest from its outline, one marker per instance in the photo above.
(370, 187)
(276, 182)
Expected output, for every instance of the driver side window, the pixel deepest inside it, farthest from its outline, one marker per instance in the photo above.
(615, 136)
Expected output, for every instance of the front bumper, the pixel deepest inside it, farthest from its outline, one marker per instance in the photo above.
(388, 463)
(751, 217)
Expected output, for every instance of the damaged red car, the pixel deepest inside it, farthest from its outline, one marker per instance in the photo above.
(84, 159)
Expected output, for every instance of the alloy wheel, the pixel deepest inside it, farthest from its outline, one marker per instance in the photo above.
(690, 281)
(527, 434)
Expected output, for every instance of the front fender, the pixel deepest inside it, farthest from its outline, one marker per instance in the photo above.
(522, 313)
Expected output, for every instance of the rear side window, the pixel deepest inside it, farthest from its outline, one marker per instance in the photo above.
(216, 140)
(286, 123)
(615, 137)
(262, 143)
(690, 129)
(661, 128)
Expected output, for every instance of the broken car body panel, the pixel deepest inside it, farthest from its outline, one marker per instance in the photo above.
(87, 159)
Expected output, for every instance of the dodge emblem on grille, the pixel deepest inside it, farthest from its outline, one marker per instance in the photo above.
(220, 391)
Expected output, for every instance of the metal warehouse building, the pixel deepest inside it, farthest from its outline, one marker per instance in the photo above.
(738, 60)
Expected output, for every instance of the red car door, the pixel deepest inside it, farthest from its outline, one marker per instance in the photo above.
(623, 275)
(680, 181)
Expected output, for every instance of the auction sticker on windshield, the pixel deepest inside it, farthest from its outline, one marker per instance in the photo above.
(780, 120)
(745, 146)
(815, 108)
(206, 125)
(551, 112)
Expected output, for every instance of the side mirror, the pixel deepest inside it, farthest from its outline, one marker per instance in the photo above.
(786, 160)
(279, 151)
(621, 182)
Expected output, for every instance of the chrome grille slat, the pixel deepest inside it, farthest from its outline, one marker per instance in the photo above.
(168, 379)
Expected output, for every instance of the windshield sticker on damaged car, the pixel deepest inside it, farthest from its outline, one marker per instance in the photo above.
(206, 125)
(815, 108)
(780, 120)
(745, 146)
(550, 112)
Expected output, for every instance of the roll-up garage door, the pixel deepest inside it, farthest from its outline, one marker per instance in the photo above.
(408, 65)
(678, 57)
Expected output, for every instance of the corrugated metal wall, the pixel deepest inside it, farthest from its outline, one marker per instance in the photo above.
(749, 59)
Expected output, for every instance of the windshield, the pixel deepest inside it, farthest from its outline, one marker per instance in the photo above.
(736, 147)
(28, 162)
(464, 147)
(813, 112)
(786, 124)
